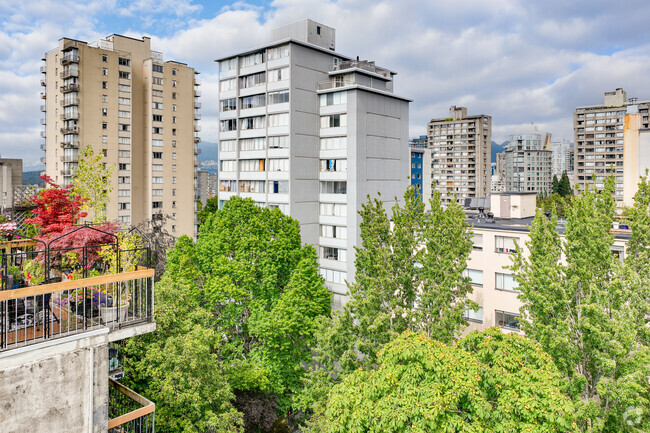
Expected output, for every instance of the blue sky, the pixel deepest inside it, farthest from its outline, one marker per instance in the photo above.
(516, 60)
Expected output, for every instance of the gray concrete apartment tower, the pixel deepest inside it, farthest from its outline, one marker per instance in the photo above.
(313, 133)
(460, 158)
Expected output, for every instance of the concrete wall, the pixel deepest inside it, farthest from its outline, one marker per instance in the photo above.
(57, 386)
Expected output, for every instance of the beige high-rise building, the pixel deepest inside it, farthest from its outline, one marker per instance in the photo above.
(612, 139)
(121, 98)
(460, 159)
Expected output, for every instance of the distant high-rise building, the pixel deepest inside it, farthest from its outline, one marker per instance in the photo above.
(11, 175)
(312, 132)
(206, 186)
(526, 164)
(612, 139)
(138, 111)
(461, 151)
(561, 157)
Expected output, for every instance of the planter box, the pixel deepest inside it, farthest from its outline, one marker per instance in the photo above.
(110, 314)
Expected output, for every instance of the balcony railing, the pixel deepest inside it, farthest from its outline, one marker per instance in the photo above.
(70, 116)
(70, 101)
(332, 85)
(43, 108)
(43, 69)
(197, 104)
(128, 411)
(70, 130)
(74, 298)
(70, 88)
(70, 143)
(67, 73)
(197, 139)
(43, 82)
(69, 58)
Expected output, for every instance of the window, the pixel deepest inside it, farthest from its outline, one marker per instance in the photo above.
(157, 105)
(173, 192)
(123, 62)
(335, 98)
(333, 187)
(173, 107)
(104, 139)
(331, 253)
(475, 276)
(173, 131)
(123, 166)
(229, 104)
(336, 232)
(173, 143)
(157, 68)
(256, 122)
(333, 276)
(252, 143)
(173, 226)
(124, 206)
(318, 30)
(157, 179)
(251, 165)
(227, 185)
(278, 165)
(104, 125)
(331, 143)
(124, 219)
(157, 167)
(124, 114)
(123, 153)
(252, 59)
(104, 97)
(173, 167)
(174, 203)
(173, 95)
(506, 282)
(124, 101)
(124, 88)
(226, 85)
(104, 111)
(333, 209)
(278, 97)
(104, 84)
(104, 71)
(279, 187)
(333, 165)
(253, 101)
(123, 179)
(104, 58)
(279, 142)
(229, 125)
(278, 74)
(156, 205)
(124, 140)
(229, 65)
(278, 52)
(157, 80)
(157, 93)
(157, 143)
(251, 80)
(157, 192)
(474, 315)
(157, 130)
(173, 83)
(157, 118)
(506, 320)
(173, 179)
(228, 145)
(505, 244)
(228, 165)
(333, 121)
(124, 193)
(477, 241)
(124, 75)
(174, 71)
(251, 185)
(157, 155)
(281, 119)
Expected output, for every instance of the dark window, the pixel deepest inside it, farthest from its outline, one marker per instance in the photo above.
(157, 204)
(157, 68)
(124, 62)
(157, 155)
(318, 30)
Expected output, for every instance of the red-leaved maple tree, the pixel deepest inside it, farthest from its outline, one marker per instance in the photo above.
(57, 208)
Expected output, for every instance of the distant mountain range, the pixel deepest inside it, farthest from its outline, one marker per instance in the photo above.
(497, 148)
(209, 157)
(32, 178)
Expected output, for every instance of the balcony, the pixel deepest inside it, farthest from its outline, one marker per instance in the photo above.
(43, 160)
(74, 143)
(43, 95)
(197, 116)
(67, 172)
(70, 130)
(67, 73)
(197, 128)
(43, 82)
(70, 116)
(332, 85)
(69, 58)
(69, 158)
(43, 108)
(65, 300)
(197, 151)
(43, 121)
(197, 81)
(197, 139)
(43, 134)
(65, 102)
(129, 411)
(43, 69)
(70, 88)
(43, 147)
(197, 104)
(197, 92)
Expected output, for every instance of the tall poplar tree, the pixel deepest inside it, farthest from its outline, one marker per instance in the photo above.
(580, 304)
(92, 181)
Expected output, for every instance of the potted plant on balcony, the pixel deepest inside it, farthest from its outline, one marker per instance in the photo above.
(33, 272)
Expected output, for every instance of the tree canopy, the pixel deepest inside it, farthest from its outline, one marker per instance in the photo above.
(92, 181)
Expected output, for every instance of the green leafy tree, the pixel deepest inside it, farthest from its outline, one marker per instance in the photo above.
(92, 181)
(489, 382)
(408, 277)
(564, 186)
(580, 305)
(555, 203)
(252, 295)
(211, 206)
(555, 184)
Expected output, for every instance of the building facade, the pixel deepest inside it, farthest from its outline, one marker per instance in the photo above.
(312, 133)
(11, 175)
(418, 148)
(526, 164)
(461, 152)
(561, 160)
(612, 140)
(206, 186)
(138, 111)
